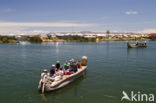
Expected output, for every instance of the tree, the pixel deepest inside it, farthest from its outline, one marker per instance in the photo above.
(35, 39)
(5, 40)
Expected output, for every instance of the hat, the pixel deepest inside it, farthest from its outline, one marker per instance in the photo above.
(73, 60)
(57, 61)
(45, 70)
(53, 65)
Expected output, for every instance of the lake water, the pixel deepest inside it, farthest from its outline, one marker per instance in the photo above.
(112, 68)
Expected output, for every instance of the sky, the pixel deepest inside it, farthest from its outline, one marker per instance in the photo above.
(78, 15)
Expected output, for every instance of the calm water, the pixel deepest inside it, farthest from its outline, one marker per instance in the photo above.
(112, 68)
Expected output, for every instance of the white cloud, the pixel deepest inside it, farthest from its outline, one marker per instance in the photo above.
(28, 26)
(131, 12)
(11, 29)
(148, 31)
(42, 24)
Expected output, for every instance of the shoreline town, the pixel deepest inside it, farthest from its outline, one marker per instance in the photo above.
(86, 36)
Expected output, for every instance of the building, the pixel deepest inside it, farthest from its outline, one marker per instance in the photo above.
(152, 34)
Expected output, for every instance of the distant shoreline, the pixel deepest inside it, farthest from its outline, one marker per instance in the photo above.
(17, 42)
(40, 39)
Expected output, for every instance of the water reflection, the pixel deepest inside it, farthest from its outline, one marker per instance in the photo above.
(53, 45)
(128, 51)
(138, 51)
(43, 98)
(24, 43)
(107, 48)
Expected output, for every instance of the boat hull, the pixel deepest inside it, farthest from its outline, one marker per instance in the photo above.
(136, 46)
(67, 79)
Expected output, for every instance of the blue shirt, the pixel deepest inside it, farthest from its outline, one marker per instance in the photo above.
(52, 70)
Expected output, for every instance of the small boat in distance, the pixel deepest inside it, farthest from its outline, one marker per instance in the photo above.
(141, 45)
(47, 85)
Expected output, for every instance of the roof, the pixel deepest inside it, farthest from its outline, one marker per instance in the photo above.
(152, 34)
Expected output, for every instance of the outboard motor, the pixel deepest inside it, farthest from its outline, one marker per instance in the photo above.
(84, 60)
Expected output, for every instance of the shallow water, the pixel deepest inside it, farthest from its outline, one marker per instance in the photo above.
(112, 68)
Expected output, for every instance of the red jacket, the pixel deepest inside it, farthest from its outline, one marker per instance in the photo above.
(79, 65)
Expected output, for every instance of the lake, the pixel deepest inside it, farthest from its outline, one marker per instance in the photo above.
(112, 68)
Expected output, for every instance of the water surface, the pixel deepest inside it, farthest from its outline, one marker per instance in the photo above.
(112, 68)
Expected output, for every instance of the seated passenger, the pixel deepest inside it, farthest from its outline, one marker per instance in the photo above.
(59, 74)
(69, 62)
(66, 69)
(66, 65)
(79, 64)
(52, 70)
(57, 65)
(74, 68)
(45, 77)
(44, 74)
(60, 71)
(72, 63)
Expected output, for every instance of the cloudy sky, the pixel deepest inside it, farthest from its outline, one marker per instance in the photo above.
(77, 15)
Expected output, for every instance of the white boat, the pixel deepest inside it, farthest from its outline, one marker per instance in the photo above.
(66, 79)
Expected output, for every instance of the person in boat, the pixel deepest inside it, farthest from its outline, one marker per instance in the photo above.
(66, 65)
(145, 43)
(79, 64)
(59, 74)
(74, 67)
(45, 77)
(57, 65)
(52, 70)
(60, 71)
(137, 43)
(70, 63)
(44, 74)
